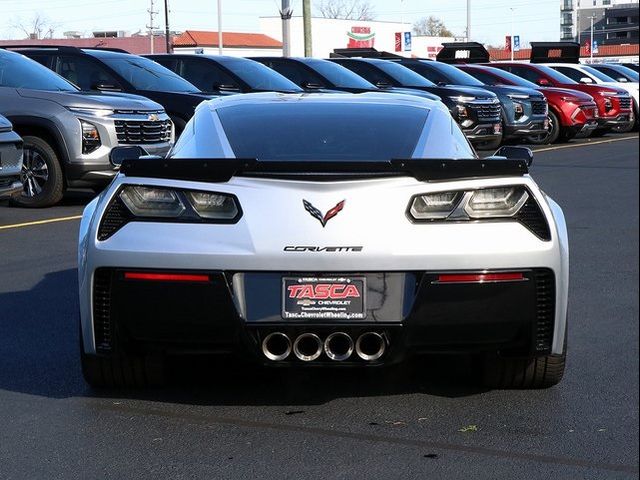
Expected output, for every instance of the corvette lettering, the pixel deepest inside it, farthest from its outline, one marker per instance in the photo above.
(321, 291)
(296, 248)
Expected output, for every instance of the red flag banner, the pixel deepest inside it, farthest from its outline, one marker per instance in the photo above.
(398, 42)
(507, 43)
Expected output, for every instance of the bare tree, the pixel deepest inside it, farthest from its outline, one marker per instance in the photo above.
(432, 27)
(38, 27)
(347, 9)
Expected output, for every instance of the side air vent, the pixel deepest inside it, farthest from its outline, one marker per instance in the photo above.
(115, 217)
(102, 324)
(546, 308)
(531, 216)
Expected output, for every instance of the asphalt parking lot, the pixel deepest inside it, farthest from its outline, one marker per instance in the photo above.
(339, 424)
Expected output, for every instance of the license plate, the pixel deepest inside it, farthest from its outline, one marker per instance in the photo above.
(497, 128)
(328, 298)
(546, 124)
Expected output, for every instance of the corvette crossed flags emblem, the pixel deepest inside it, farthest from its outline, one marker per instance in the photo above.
(317, 214)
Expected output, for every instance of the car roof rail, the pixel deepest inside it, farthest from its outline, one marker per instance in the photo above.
(555, 52)
(463, 52)
(362, 53)
(61, 48)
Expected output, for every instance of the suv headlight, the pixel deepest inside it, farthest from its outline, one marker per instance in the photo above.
(462, 99)
(90, 137)
(97, 112)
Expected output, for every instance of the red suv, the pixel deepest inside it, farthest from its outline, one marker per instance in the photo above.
(571, 113)
(614, 104)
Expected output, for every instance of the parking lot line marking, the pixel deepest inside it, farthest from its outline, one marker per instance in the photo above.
(40, 222)
(587, 144)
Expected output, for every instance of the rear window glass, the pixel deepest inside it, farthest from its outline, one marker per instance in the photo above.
(315, 131)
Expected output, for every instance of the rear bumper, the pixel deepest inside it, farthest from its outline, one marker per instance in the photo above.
(232, 313)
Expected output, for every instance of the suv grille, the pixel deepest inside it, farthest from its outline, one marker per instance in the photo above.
(538, 107)
(102, 325)
(546, 307)
(625, 102)
(140, 132)
(489, 112)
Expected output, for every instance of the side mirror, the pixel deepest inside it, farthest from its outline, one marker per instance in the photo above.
(105, 87)
(585, 80)
(382, 84)
(543, 82)
(515, 153)
(225, 87)
(311, 85)
(120, 154)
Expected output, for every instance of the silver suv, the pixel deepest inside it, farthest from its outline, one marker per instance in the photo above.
(10, 160)
(68, 134)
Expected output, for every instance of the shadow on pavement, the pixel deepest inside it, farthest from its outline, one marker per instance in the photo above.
(39, 355)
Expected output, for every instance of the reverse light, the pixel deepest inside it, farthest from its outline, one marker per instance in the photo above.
(213, 205)
(434, 205)
(90, 137)
(496, 202)
(152, 202)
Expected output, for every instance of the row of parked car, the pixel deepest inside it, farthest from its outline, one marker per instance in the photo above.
(71, 106)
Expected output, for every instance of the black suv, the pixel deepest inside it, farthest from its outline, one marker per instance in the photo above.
(316, 75)
(524, 110)
(113, 70)
(221, 75)
(476, 110)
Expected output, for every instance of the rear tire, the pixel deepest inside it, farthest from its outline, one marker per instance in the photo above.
(120, 371)
(528, 373)
(42, 176)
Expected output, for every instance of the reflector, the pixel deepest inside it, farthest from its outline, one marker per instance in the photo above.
(166, 277)
(480, 277)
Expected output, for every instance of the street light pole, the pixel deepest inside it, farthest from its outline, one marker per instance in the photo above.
(219, 27)
(285, 14)
(468, 20)
(306, 17)
(166, 26)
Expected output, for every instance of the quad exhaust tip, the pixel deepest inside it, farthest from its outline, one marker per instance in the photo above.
(276, 346)
(307, 347)
(370, 346)
(338, 346)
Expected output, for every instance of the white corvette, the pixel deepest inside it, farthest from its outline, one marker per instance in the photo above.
(330, 230)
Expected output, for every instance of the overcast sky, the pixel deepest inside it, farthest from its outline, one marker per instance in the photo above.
(490, 19)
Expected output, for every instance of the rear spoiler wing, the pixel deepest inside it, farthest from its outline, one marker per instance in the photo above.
(555, 52)
(463, 52)
(222, 170)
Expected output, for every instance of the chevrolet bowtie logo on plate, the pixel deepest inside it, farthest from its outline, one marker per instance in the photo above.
(317, 214)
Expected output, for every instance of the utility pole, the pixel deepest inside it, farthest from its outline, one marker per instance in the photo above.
(152, 12)
(166, 26)
(512, 42)
(219, 27)
(306, 15)
(285, 14)
(468, 20)
(592, 17)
